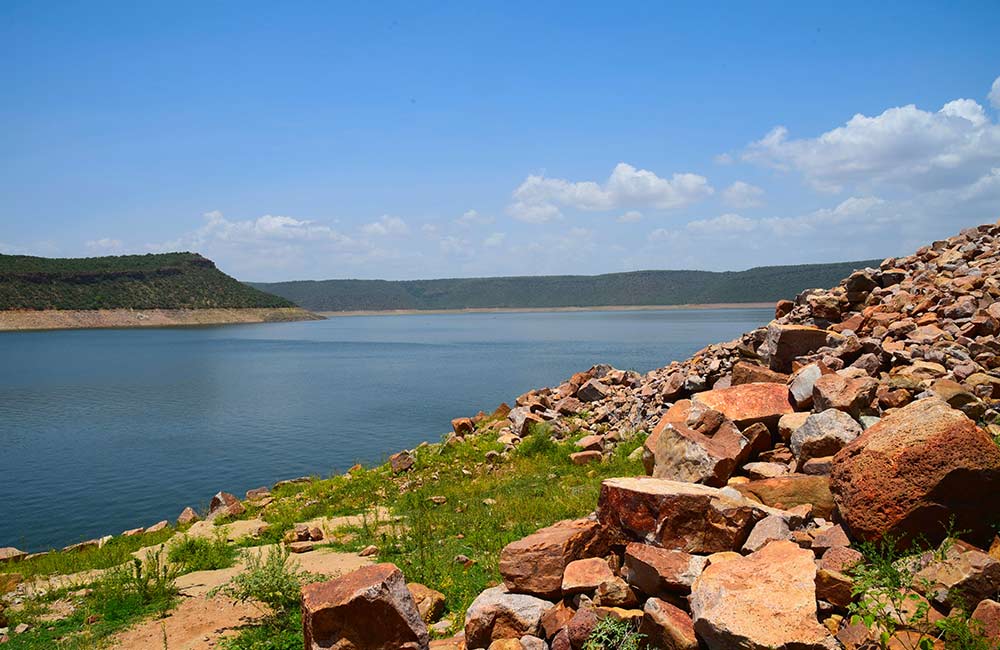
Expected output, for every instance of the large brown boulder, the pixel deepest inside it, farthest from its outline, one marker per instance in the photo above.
(766, 600)
(787, 342)
(915, 469)
(786, 492)
(367, 609)
(224, 504)
(535, 564)
(852, 395)
(497, 614)
(747, 404)
(681, 453)
(683, 516)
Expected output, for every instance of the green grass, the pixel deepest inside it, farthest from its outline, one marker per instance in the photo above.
(114, 553)
(120, 598)
(200, 554)
(488, 505)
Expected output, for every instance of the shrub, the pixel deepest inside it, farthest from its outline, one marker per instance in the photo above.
(271, 581)
(138, 585)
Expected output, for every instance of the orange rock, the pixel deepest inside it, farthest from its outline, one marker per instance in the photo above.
(749, 403)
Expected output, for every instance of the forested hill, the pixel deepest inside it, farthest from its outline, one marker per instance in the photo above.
(762, 284)
(163, 281)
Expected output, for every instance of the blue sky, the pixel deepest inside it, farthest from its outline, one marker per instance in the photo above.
(405, 140)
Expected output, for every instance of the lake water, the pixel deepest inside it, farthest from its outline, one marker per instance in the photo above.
(105, 430)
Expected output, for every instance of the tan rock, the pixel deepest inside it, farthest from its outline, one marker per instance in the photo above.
(763, 601)
(370, 608)
(429, 602)
(786, 492)
(960, 574)
(498, 614)
(851, 395)
(987, 615)
(787, 342)
(749, 403)
(584, 576)
(667, 627)
(187, 516)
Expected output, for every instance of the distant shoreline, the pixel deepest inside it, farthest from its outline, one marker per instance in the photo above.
(52, 319)
(509, 310)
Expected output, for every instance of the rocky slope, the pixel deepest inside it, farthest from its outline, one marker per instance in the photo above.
(861, 414)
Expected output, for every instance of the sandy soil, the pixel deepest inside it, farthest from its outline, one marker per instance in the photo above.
(109, 318)
(504, 310)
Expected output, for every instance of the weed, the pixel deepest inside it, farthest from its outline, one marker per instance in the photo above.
(272, 581)
(613, 634)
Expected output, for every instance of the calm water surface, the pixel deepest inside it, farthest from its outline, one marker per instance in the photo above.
(104, 430)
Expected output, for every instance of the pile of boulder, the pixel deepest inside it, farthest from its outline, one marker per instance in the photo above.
(860, 414)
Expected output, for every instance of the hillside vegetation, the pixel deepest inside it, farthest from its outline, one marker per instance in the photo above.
(762, 284)
(162, 281)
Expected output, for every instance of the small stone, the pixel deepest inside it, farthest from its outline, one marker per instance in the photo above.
(401, 462)
(368, 551)
(187, 516)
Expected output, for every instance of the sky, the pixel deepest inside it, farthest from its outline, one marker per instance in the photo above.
(314, 140)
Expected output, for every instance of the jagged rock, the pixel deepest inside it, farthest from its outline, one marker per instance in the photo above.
(225, 504)
(429, 602)
(462, 426)
(749, 403)
(369, 609)
(535, 564)
(828, 538)
(834, 587)
(802, 382)
(556, 619)
(751, 373)
(851, 395)
(823, 434)
(584, 576)
(701, 519)
(684, 454)
(667, 627)
(768, 529)
(401, 462)
(615, 592)
(498, 614)
(785, 343)
(789, 423)
(960, 574)
(840, 558)
(987, 615)
(916, 468)
(763, 601)
(787, 492)
(654, 570)
(592, 391)
(187, 516)
(11, 554)
(762, 470)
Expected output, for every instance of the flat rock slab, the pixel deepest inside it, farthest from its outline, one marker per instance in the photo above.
(747, 404)
(674, 515)
(764, 601)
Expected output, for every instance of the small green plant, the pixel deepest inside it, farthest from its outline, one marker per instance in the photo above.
(272, 581)
(200, 554)
(613, 634)
(149, 583)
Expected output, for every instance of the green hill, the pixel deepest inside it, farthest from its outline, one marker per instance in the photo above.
(762, 284)
(163, 281)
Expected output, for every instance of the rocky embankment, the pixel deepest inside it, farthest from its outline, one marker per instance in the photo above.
(54, 319)
(861, 414)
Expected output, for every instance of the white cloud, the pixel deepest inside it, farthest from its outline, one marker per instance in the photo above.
(994, 95)
(662, 234)
(386, 226)
(105, 245)
(743, 195)
(726, 223)
(538, 198)
(903, 146)
(631, 216)
(473, 218)
(724, 159)
(452, 245)
(429, 228)
(495, 239)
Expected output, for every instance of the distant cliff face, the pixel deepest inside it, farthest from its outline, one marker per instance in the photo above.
(162, 281)
(763, 284)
